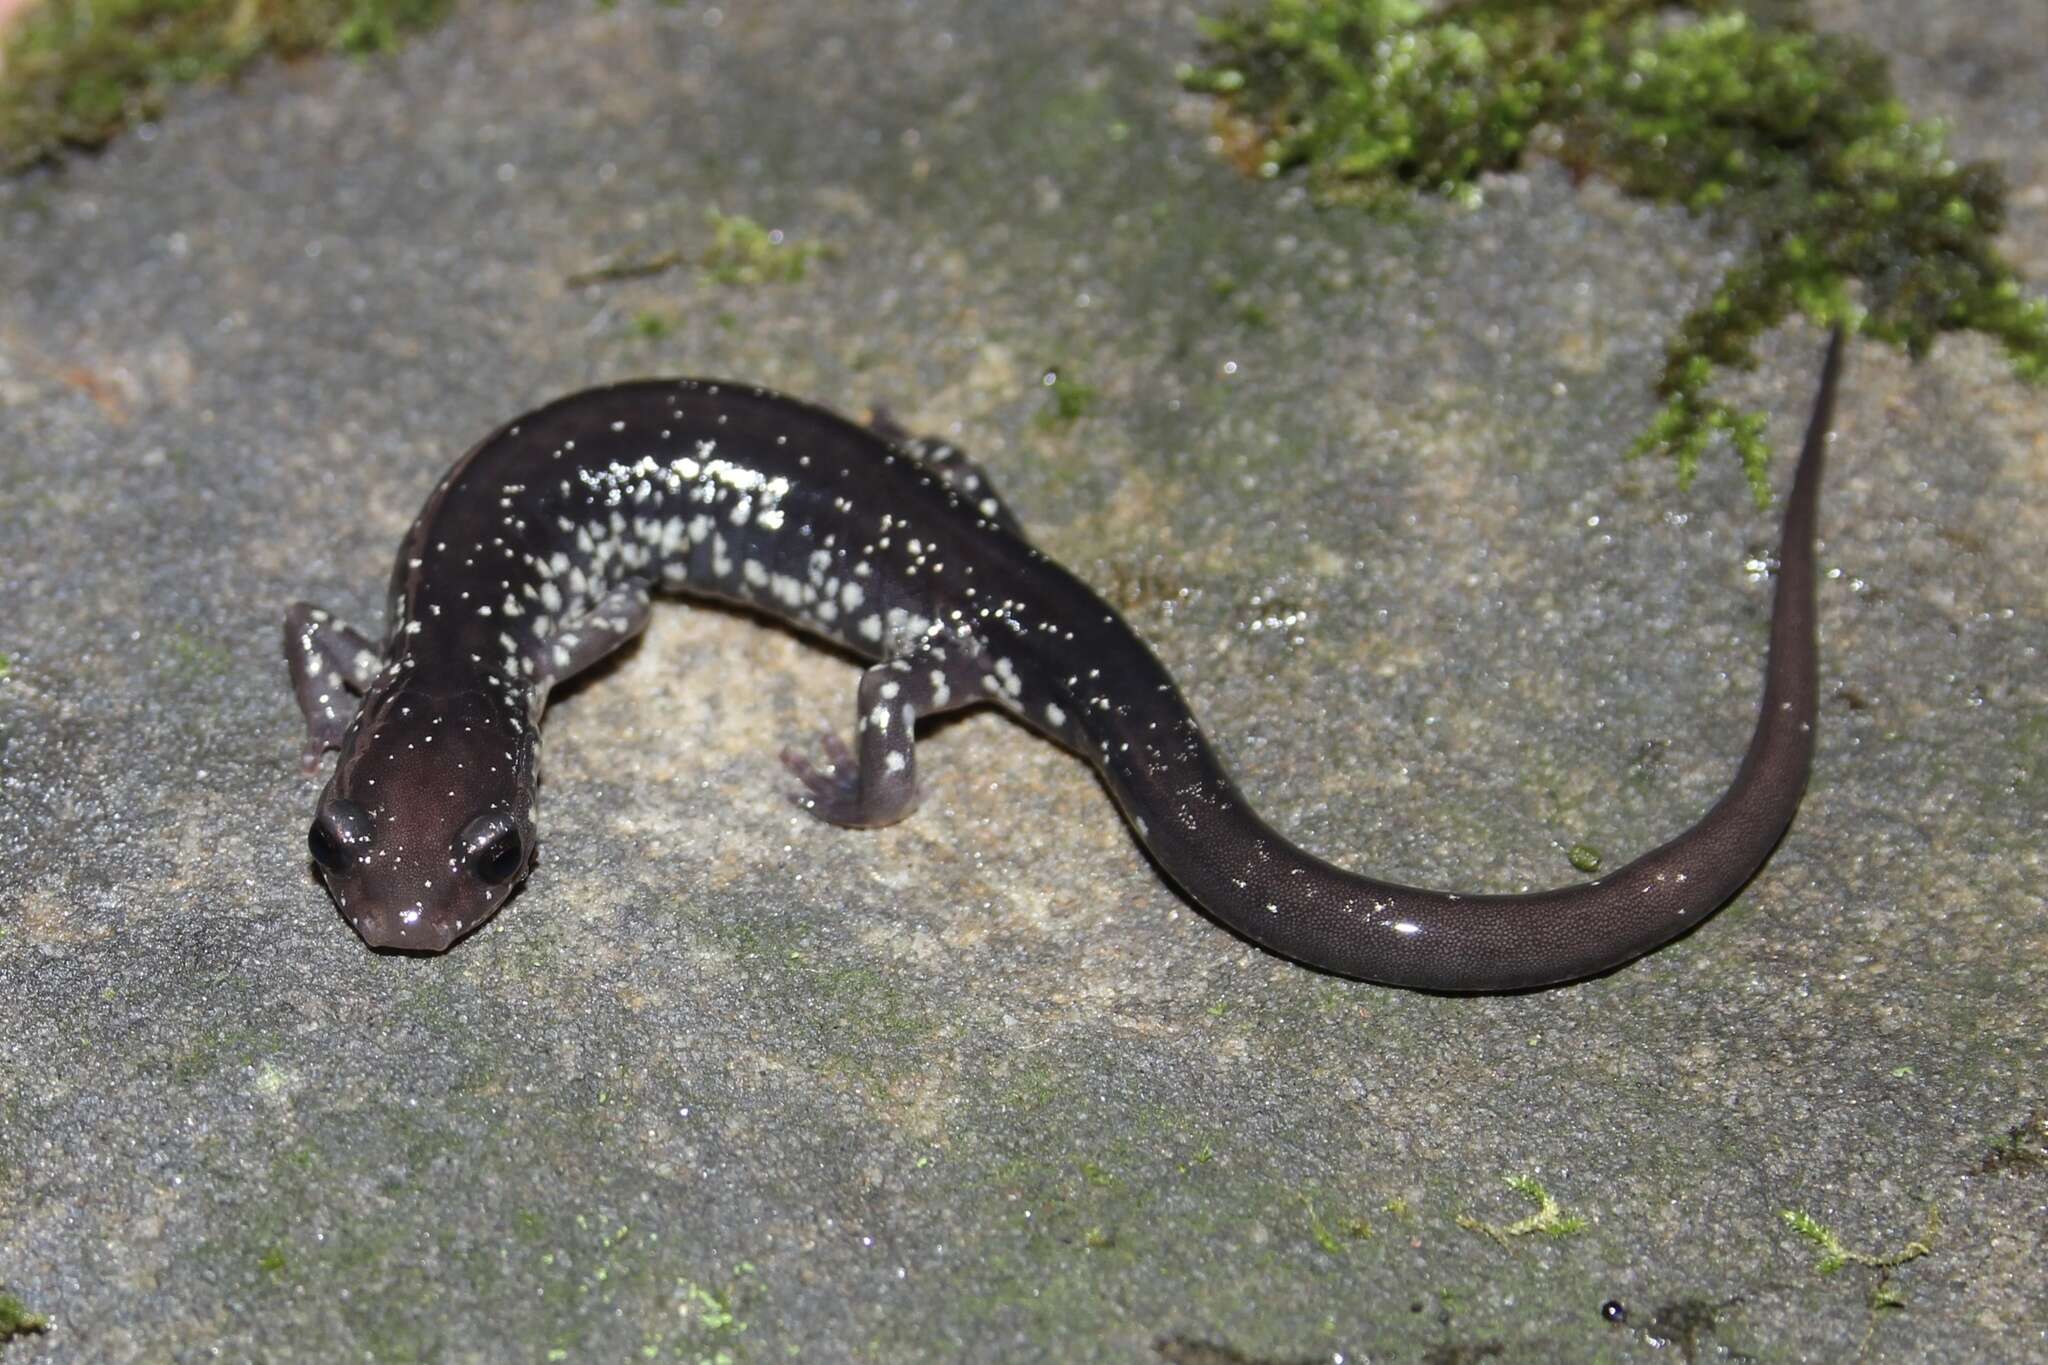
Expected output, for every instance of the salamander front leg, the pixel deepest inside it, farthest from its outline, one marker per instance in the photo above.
(327, 658)
(877, 785)
(610, 622)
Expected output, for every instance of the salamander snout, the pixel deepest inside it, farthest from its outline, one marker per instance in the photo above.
(417, 890)
(407, 928)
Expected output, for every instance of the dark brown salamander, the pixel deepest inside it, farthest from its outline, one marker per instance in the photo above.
(537, 555)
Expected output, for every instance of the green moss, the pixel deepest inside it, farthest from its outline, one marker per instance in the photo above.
(745, 253)
(712, 1311)
(188, 662)
(1834, 1255)
(652, 324)
(1790, 138)
(741, 253)
(17, 1321)
(79, 71)
(1550, 1219)
(1067, 398)
(1331, 1240)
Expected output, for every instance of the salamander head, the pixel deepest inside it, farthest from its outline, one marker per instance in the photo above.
(427, 824)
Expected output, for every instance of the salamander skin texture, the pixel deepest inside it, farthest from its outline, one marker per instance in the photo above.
(537, 554)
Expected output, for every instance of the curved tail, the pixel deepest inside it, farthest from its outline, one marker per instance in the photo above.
(1208, 839)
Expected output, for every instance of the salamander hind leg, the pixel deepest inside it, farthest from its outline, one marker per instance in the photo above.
(950, 463)
(875, 783)
(328, 660)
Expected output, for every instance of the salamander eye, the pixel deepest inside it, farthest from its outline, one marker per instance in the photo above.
(337, 830)
(494, 851)
(331, 856)
(500, 859)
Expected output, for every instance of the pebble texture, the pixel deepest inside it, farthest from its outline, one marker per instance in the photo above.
(723, 1082)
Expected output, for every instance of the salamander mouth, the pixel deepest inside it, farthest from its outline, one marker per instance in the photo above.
(393, 935)
(412, 930)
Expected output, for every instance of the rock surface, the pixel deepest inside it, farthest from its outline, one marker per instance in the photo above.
(724, 1083)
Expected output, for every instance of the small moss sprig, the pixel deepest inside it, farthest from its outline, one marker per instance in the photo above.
(76, 72)
(1351, 1227)
(1735, 109)
(1834, 1255)
(1067, 399)
(17, 1321)
(1550, 1219)
(741, 253)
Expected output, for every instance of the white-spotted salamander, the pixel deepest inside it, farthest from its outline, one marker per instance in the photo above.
(537, 554)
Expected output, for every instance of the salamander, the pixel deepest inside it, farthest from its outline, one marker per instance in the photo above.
(540, 551)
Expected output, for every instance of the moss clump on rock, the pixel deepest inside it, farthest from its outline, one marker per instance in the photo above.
(74, 73)
(17, 1321)
(1738, 111)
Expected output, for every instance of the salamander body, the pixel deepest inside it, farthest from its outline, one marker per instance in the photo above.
(538, 553)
